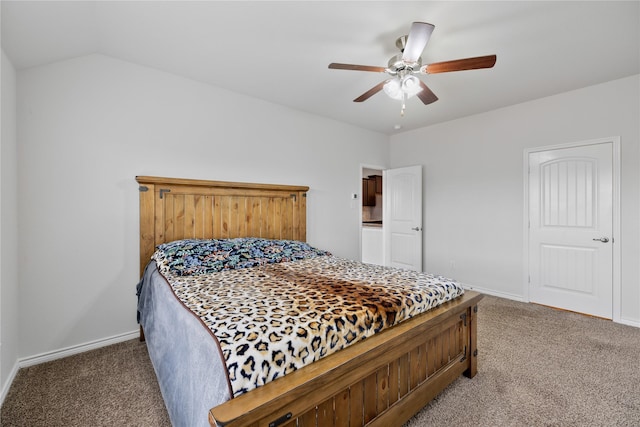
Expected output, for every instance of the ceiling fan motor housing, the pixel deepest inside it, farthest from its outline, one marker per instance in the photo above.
(396, 65)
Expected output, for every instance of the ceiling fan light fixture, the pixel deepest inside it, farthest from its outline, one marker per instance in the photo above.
(411, 85)
(393, 88)
(398, 87)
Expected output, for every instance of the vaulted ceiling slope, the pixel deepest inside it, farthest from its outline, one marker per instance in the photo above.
(280, 51)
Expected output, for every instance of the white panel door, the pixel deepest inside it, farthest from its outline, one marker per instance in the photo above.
(571, 228)
(403, 217)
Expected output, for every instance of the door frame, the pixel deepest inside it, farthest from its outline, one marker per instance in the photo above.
(616, 240)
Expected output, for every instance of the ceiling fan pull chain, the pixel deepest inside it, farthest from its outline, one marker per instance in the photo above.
(404, 103)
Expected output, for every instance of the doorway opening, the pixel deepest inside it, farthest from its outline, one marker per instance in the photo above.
(371, 212)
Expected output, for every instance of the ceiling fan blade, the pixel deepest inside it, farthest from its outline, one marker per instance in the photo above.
(368, 94)
(460, 64)
(425, 95)
(336, 66)
(416, 41)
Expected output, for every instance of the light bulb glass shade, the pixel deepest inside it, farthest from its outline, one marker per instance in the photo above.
(411, 85)
(396, 88)
(393, 88)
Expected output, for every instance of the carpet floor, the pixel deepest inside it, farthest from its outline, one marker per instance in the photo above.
(537, 367)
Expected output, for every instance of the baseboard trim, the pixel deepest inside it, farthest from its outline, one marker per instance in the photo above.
(494, 293)
(58, 354)
(628, 322)
(76, 349)
(7, 385)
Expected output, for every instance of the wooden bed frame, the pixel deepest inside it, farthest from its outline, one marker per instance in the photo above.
(381, 381)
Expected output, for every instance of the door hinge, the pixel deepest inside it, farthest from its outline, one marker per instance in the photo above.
(162, 191)
(463, 316)
(464, 355)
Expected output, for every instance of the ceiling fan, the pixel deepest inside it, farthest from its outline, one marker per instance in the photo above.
(402, 68)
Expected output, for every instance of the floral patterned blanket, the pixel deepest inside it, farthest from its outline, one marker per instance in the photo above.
(192, 257)
(275, 306)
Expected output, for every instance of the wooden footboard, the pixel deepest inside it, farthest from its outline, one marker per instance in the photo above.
(382, 381)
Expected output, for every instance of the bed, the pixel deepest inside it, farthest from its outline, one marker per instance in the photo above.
(382, 380)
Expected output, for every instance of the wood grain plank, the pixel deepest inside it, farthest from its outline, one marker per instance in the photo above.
(207, 217)
(341, 408)
(438, 344)
(300, 230)
(198, 216)
(169, 218)
(189, 216)
(403, 372)
(431, 357)
(382, 377)
(453, 338)
(178, 212)
(445, 348)
(158, 214)
(224, 217)
(370, 397)
(255, 215)
(356, 404)
(394, 381)
(243, 221)
(264, 217)
(217, 218)
(277, 215)
(234, 217)
(414, 363)
(325, 414)
(271, 219)
(422, 363)
(308, 419)
(287, 216)
(147, 224)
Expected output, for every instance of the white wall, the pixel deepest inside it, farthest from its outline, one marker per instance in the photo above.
(8, 228)
(473, 183)
(88, 126)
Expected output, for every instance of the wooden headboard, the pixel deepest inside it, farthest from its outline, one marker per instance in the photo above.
(174, 208)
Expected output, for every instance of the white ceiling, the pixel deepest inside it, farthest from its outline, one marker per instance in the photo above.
(279, 51)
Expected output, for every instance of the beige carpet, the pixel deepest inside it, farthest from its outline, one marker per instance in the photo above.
(537, 367)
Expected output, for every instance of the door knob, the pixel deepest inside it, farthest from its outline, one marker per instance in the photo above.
(602, 239)
(417, 228)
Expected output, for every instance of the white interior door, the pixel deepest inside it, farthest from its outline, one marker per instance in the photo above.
(402, 217)
(571, 228)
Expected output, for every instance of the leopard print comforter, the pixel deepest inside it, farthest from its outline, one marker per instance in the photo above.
(272, 319)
